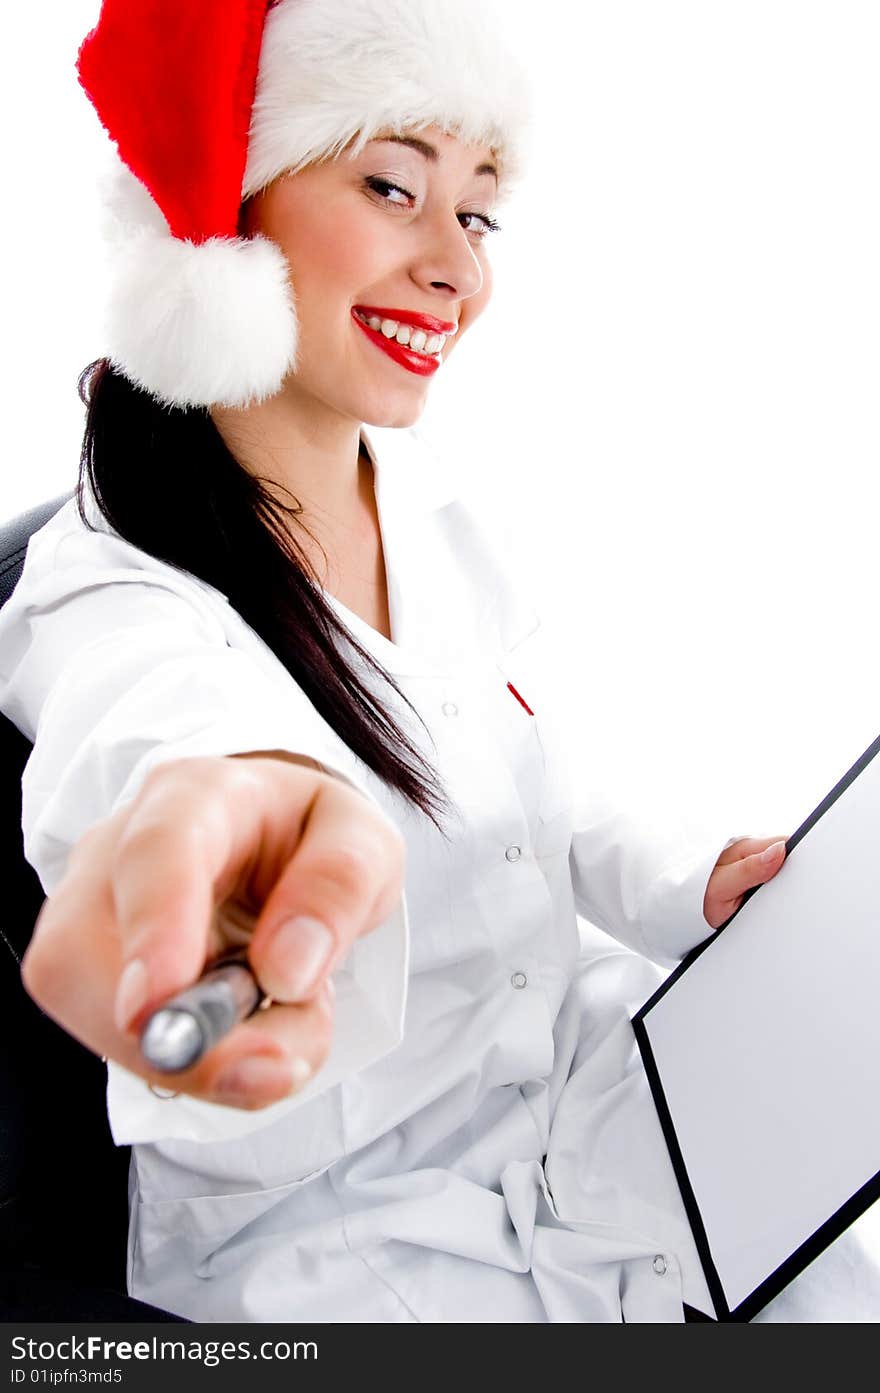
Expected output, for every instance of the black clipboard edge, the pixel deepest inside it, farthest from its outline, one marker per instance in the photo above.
(823, 1237)
(692, 1209)
(848, 1212)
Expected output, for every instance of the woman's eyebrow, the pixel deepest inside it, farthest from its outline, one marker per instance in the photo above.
(430, 152)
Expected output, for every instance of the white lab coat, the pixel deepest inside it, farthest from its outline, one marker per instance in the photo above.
(481, 1144)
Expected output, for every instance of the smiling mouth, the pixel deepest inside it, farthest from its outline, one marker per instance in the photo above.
(385, 334)
(410, 336)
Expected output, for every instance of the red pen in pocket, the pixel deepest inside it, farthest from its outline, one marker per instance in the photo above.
(525, 705)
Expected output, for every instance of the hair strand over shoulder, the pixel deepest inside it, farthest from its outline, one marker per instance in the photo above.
(166, 482)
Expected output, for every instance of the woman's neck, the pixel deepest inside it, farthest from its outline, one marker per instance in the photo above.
(314, 456)
(321, 463)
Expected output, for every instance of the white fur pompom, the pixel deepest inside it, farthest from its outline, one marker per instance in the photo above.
(202, 325)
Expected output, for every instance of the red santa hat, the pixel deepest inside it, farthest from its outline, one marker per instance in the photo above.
(207, 103)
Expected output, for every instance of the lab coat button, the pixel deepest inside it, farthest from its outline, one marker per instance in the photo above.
(519, 980)
(449, 708)
(513, 853)
(659, 1264)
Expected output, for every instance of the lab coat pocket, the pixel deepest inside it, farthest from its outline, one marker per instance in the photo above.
(196, 1210)
(528, 674)
(201, 1234)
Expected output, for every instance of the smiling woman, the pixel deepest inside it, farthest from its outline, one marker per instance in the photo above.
(356, 205)
(395, 234)
(387, 250)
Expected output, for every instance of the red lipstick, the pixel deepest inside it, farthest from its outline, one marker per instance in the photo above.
(419, 321)
(407, 358)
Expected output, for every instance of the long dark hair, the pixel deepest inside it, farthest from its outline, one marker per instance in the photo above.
(165, 480)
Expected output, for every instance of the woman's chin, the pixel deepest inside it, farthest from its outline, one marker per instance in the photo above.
(397, 415)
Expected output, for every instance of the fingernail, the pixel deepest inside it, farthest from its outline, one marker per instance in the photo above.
(297, 955)
(259, 1077)
(772, 852)
(131, 994)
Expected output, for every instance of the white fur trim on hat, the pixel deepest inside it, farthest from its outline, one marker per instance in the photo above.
(336, 71)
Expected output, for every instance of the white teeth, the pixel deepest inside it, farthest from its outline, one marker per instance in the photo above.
(405, 334)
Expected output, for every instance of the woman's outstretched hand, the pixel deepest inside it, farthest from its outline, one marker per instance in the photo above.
(748, 862)
(214, 853)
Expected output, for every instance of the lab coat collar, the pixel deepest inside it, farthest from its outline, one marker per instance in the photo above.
(408, 469)
(450, 602)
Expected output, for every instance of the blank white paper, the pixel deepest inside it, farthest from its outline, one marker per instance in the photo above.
(768, 1048)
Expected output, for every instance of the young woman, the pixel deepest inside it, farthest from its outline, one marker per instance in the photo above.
(285, 693)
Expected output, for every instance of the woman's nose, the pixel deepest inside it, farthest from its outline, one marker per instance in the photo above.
(448, 263)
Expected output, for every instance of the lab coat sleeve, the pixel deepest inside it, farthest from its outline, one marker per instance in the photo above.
(643, 885)
(112, 666)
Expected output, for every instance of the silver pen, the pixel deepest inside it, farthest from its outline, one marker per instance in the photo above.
(187, 1025)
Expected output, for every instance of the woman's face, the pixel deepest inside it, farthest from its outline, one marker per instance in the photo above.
(387, 253)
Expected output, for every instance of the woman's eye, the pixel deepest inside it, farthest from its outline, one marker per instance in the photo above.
(478, 224)
(384, 188)
(484, 223)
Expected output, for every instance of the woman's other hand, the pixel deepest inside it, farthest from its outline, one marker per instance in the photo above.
(213, 853)
(748, 862)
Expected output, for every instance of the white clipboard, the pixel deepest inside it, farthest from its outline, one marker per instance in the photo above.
(763, 1054)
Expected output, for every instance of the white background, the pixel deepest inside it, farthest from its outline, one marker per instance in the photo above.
(673, 401)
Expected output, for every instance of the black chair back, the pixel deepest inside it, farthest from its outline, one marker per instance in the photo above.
(63, 1183)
